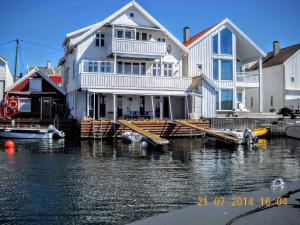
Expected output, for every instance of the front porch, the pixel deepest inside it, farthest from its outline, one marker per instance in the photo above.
(112, 106)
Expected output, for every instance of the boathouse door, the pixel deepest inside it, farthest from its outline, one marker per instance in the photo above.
(46, 108)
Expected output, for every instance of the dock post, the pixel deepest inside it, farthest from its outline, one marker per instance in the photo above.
(170, 106)
(115, 115)
(153, 112)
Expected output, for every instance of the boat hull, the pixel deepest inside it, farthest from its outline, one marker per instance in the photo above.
(20, 135)
(293, 131)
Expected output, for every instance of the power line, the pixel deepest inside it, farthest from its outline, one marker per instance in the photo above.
(42, 45)
(8, 42)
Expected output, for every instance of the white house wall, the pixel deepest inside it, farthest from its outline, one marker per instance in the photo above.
(292, 88)
(273, 85)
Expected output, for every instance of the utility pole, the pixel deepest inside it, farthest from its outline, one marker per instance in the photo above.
(16, 59)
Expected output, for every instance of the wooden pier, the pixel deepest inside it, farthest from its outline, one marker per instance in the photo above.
(96, 129)
(150, 136)
(219, 136)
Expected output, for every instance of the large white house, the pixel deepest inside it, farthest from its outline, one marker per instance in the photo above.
(221, 53)
(6, 78)
(129, 65)
(281, 78)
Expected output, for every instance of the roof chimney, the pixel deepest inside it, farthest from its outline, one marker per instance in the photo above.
(49, 64)
(186, 34)
(276, 48)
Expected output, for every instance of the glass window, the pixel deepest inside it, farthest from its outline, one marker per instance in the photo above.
(226, 99)
(215, 44)
(109, 67)
(144, 36)
(24, 105)
(226, 69)
(119, 33)
(226, 41)
(216, 69)
(143, 68)
(97, 40)
(137, 36)
(35, 85)
(129, 34)
(102, 67)
(156, 69)
(135, 68)
(127, 68)
(120, 67)
(168, 69)
(239, 96)
(102, 40)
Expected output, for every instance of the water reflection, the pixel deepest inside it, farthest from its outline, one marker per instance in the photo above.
(61, 182)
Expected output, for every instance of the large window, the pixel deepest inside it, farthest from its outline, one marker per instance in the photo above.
(215, 44)
(226, 69)
(168, 69)
(134, 68)
(24, 105)
(226, 41)
(226, 99)
(156, 69)
(216, 69)
(35, 84)
(124, 33)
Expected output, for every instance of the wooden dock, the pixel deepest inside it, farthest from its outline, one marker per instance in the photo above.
(97, 129)
(150, 136)
(219, 136)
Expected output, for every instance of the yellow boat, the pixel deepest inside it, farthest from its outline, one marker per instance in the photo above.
(260, 131)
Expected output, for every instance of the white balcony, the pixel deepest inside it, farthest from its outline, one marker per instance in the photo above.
(147, 49)
(245, 79)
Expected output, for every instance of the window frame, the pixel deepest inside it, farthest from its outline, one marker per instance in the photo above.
(31, 82)
(19, 104)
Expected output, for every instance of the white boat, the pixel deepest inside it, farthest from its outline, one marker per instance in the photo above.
(246, 137)
(293, 130)
(31, 133)
(132, 137)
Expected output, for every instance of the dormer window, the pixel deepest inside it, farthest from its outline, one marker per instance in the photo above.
(100, 39)
(35, 84)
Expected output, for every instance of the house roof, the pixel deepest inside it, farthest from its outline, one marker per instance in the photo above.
(91, 29)
(3, 59)
(42, 74)
(196, 38)
(56, 79)
(283, 55)
(49, 71)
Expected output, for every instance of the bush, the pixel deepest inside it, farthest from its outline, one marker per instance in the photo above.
(285, 111)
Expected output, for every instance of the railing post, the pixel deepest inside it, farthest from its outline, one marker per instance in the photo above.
(261, 106)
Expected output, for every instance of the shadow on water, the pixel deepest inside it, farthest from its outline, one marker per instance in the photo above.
(74, 182)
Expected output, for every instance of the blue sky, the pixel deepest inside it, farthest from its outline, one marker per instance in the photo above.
(47, 22)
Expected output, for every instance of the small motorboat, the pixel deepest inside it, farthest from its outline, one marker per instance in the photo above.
(246, 137)
(260, 132)
(293, 130)
(131, 137)
(31, 132)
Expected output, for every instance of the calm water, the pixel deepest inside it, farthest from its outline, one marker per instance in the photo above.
(74, 182)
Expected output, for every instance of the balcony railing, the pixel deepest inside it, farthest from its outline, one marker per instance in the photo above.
(121, 81)
(246, 77)
(138, 47)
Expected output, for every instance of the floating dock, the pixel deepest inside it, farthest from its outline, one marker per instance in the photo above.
(219, 136)
(149, 136)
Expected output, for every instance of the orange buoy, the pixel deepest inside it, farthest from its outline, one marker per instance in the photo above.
(9, 144)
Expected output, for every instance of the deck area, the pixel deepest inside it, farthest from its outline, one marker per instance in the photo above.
(150, 136)
(219, 136)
